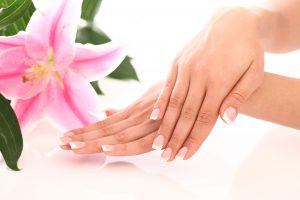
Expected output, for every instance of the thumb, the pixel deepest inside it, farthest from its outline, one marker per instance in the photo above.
(246, 86)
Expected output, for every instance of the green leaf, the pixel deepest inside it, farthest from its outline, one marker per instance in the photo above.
(125, 71)
(13, 11)
(90, 9)
(97, 88)
(93, 35)
(11, 141)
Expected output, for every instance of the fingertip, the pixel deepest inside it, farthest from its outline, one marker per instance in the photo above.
(229, 115)
(155, 115)
(182, 153)
(110, 112)
(65, 147)
(166, 155)
(108, 148)
(158, 143)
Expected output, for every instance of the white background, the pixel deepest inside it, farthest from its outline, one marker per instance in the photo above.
(250, 160)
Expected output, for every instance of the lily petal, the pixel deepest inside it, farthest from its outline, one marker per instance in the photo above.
(29, 112)
(12, 41)
(61, 17)
(97, 61)
(13, 65)
(74, 105)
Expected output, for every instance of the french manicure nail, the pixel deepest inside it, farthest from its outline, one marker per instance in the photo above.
(108, 147)
(64, 141)
(155, 114)
(166, 154)
(181, 154)
(230, 115)
(158, 142)
(77, 145)
(68, 134)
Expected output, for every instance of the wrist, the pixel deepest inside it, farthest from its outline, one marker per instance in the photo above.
(269, 25)
(243, 19)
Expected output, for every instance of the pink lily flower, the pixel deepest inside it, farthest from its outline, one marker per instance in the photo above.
(46, 74)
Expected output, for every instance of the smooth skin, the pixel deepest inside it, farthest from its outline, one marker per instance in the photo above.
(215, 74)
(126, 133)
(219, 70)
(126, 126)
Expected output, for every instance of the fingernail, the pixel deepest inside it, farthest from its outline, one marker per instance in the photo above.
(158, 142)
(230, 115)
(64, 141)
(181, 154)
(108, 147)
(68, 134)
(77, 145)
(155, 114)
(166, 154)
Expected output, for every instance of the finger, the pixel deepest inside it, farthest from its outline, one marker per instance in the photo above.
(115, 118)
(140, 146)
(187, 118)
(130, 134)
(65, 147)
(110, 112)
(204, 123)
(88, 148)
(105, 131)
(248, 83)
(119, 116)
(161, 104)
(126, 136)
(173, 111)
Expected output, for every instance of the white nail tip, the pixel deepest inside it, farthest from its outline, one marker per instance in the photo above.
(227, 119)
(77, 145)
(157, 147)
(155, 114)
(107, 147)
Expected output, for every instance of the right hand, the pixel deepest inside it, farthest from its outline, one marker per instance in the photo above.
(214, 74)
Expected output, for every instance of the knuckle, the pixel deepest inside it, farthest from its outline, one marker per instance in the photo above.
(77, 131)
(100, 124)
(238, 96)
(163, 99)
(78, 137)
(192, 140)
(175, 102)
(143, 143)
(168, 84)
(120, 137)
(188, 114)
(106, 130)
(204, 119)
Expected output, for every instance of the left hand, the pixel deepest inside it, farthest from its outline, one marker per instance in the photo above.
(123, 133)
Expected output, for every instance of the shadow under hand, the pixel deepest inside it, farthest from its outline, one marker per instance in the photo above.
(123, 179)
(272, 170)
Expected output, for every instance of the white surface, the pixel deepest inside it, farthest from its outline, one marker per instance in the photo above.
(250, 160)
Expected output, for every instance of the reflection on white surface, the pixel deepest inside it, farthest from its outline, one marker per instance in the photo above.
(231, 165)
(272, 170)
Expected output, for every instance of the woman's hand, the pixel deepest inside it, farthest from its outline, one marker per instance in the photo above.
(125, 132)
(214, 74)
